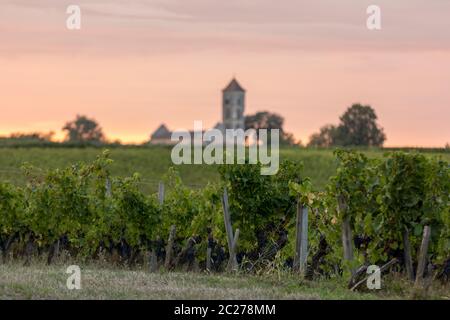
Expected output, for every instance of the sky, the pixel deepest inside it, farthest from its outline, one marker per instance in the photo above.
(135, 64)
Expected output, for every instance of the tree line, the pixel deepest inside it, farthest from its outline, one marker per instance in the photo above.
(357, 127)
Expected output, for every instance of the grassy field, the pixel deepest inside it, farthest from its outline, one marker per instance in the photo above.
(153, 162)
(40, 281)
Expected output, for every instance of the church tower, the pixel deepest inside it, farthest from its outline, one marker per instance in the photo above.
(233, 105)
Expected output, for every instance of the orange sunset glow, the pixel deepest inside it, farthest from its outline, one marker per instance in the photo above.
(137, 64)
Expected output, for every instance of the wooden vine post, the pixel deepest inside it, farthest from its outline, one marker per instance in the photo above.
(153, 261)
(169, 249)
(301, 243)
(423, 255)
(347, 237)
(108, 191)
(232, 264)
(407, 255)
(208, 259)
(161, 193)
(209, 251)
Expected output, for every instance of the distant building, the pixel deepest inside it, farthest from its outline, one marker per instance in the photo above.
(233, 107)
(161, 135)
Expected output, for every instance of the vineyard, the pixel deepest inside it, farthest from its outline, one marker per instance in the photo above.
(390, 211)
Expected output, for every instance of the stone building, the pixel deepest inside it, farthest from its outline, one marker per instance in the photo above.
(161, 135)
(233, 108)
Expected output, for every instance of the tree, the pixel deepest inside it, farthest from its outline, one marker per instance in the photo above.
(325, 138)
(358, 127)
(267, 120)
(82, 130)
(28, 139)
(33, 136)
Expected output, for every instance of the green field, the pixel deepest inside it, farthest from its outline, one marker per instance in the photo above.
(153, 162)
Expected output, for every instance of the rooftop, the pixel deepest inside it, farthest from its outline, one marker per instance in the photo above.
(234, 86)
